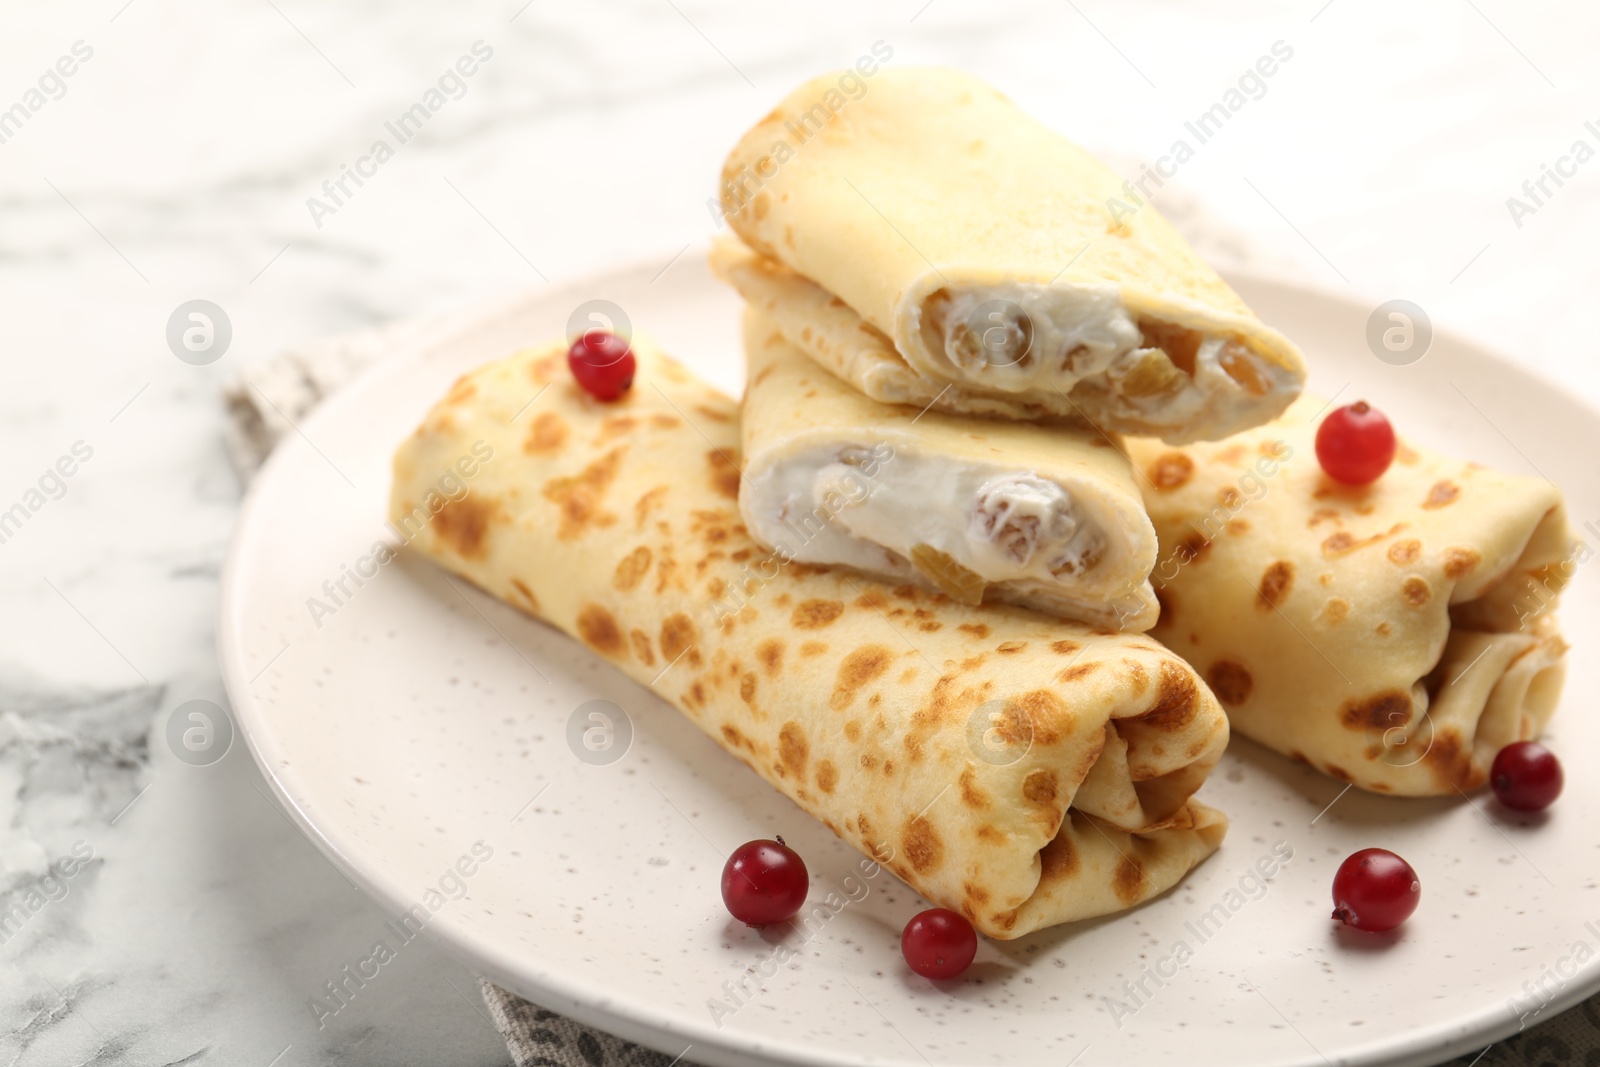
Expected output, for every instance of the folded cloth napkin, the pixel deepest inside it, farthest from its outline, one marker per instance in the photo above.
(267, 399)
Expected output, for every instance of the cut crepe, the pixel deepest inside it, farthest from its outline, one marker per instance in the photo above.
(1395, 635)
(998, 256)
(1023, 770)
(1048, 518)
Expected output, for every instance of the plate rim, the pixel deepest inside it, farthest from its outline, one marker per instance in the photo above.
(576, 998)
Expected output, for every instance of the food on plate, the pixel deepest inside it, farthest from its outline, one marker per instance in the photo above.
(996, 256)
(1395, 635)
(1047, 517)
(1355, 444)
(1020, 770)
(1526, 776)
(1375, 890)
(602, 364)
(764, 882)
(938, 943)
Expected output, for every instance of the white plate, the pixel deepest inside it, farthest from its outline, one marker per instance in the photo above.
(422, 717)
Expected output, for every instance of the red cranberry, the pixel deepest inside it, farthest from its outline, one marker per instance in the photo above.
(1355, 444)
(1375, 890)
(602, 363)
(939, 943)
(1526, 776)
(764, 882)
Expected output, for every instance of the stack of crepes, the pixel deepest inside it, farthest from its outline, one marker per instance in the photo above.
(953, 317)
(909, 583)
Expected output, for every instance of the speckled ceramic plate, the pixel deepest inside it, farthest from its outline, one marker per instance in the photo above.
(435, 745)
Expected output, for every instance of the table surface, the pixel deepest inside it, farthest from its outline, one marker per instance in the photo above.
(176, 162)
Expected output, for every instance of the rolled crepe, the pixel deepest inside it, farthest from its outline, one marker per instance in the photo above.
(996, 255)
(1046, 517)
(1395, 635)
(1022, 770)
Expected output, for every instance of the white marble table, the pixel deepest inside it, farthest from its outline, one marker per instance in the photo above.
(175, 163)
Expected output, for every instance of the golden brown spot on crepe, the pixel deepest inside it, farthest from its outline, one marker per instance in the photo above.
(762, 203)
(714, 414)
(747, 688)
(1058, 859)
(1233, 454)
(698, 691)
(975, 893)
(645, 504)
(547, 434)
(641, 648)
(991, 834)
(852, 730)
(1343, 543)
(663, 421)
(1322, 515)
(1384, 629)
(922, 845)
(1193, 548)
(770, 653)
(1231, 681)
(724, 475)
(1128, 880)
(1460, 562)
(1237, 527)
(527, 594)
(1381, 711)
(1178, 701)
(1447, 760)
(1040, 787)
(1081, 670)
(1415, 591)
(930, 626)
(793, 749)
(827, 777)
(1039, 716)
(1230, 498)
(868, 761)
(731, 734)
(615, 426)
(813, 648)
(1404, 552)
(1011, 648)
(631, 571)
(1403, 453)
(1138, 677)
(579, 495)
(1335, 610)
(1170, 471)
(1276, 581)
(462, 391)
(888, 768)
(971, 795)
(815, 614)
(856, 670)
(1336, 771)
(464, 525)
(677, 634)
(1443, 492)
(1065, 648)
(598, 629)
(976, 629)
(545, 368)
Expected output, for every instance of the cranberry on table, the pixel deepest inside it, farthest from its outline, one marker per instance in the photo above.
(1526, 776)
(602, 363)
(1355, 444)
(939, 943)
(1375, 890)
(764, 882)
